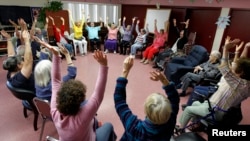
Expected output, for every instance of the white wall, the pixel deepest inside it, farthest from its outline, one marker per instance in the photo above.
(34, 3)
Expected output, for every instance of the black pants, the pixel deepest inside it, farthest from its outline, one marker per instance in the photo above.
(94, 42)
(123, 47)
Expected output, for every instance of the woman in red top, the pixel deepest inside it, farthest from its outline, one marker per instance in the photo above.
(160, 38)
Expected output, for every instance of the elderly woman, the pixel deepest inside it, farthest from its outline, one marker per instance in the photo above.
(232, 91)
(111, 42)
(127, 36)
(208, 69)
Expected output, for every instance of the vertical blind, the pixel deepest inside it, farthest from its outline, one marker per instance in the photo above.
(94, 10)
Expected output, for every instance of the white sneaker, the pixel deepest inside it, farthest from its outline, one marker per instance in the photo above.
(114, 52)
(106, 51)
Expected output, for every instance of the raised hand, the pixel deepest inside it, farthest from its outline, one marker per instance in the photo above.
(138, 21)
(128, 63)
(26, 35)
(124, 18)
(156, 76)
(232, 43)
(5, 34)
(100, 57)
(63, 49)
(238, 47)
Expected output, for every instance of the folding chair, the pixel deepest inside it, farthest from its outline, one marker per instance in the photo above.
(43, 107)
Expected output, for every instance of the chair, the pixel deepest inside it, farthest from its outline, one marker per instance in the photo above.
(178, 66)
(43, 107)
(70, 41)
(77, 42)
(25, 95)
(191, 40)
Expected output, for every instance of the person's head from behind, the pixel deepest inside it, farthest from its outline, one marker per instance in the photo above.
(214, 56)
(181, 33)
(42, 73)
(242, 68)
(70, 96)
(157, 108)
(20, 50)
(13, 63)
(38, 31)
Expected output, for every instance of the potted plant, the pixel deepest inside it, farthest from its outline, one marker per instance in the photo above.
(50, 6)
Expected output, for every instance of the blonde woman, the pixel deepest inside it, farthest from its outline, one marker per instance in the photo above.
(160, 111)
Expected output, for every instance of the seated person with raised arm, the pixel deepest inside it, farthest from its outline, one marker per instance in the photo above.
(78, 38)
(159, 40)
(19, 67)
(231, 92)
(160, 109)
(140, 39)
(42, 73)
(111, 42)
(59, 36)
(127, 36)
(93, 35)
(178, 46)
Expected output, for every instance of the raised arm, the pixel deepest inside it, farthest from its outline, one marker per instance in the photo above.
(46, 24)
(166, 28)
(71, 18)
(32, 30)
(123, 23)
(119, 23)
(52, 20)
(155, 25)
(10, 47)
(28, 58)
(18, 35)
(137, 27)
(245, 50)
(101, 22)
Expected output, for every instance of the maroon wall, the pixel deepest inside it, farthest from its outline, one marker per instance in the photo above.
(202, 21)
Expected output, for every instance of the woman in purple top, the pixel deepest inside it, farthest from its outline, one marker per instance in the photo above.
(73, 116)
(127, 36)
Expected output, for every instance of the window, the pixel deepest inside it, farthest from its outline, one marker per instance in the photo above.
(94, 11)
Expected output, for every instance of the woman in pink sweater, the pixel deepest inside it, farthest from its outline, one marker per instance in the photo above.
(73, 116)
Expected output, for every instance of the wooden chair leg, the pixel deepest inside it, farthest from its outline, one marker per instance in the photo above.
(35, 120)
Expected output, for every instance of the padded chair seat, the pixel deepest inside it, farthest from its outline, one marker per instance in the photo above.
(189, 136)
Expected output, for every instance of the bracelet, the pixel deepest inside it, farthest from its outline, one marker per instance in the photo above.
(70, 63)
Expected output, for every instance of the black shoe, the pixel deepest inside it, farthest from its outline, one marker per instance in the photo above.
(178, 86)
(160, 69)
(73, 58)
(183, 94)
(155, 66)
(179, 130)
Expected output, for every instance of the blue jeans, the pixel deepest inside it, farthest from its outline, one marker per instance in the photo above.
(200, 93)
(69, 48)
(105, 133)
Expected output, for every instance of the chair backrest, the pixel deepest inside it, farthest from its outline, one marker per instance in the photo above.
(19, 93)
(197, 55)
(43, 107)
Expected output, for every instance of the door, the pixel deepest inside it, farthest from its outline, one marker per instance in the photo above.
(202, 21)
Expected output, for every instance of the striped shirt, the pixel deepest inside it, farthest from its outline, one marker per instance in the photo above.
(232, 90)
